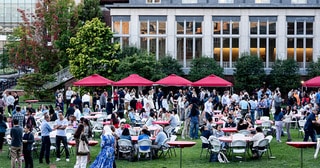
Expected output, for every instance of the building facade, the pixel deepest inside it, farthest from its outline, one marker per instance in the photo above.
(221, 29)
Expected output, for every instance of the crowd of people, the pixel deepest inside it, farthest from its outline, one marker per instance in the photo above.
(190, 107)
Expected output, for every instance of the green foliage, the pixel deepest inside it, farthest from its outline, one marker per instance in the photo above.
(170, 65)
(202, 67)
(314, 69)
(91, 51)
(88, 10)
(285, 75)
(32, 84)
(249, 73)
(141, 63)
(128, 51)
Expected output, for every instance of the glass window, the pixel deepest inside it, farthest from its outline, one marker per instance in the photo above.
(290, 28)
(253, 27)
(216, 27)
(189, 1)
(180, 27)
(253, 46)
(309, 28)
(235, 28)
(298, 1)
(226, 28)
(272, 28)
(263, 27)
(262, 1)
(216, 49)
(121, 29)
(309, 49)
(225, 1)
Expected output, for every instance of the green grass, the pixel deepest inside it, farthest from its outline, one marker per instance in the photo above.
(286, 157)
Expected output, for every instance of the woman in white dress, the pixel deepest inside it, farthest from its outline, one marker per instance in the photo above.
(150, 99)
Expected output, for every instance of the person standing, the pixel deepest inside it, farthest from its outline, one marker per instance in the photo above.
(28, 140)
(115, 99)
(77, 113)
(194, 122)
(253, 107)
(16, 100)
(10, 102)
(19, 116)
(278, 117)
(244, 106)
(2, 105)
(186, 124)
(45, 139)
(30, 119)
(16, 143)
(3, 128)
(106, 156)
(81, 160)
(86, 99)
(69, 93)
(309, 126)
(160, 98)
(287, 121)
(103, 99)
(60, 125)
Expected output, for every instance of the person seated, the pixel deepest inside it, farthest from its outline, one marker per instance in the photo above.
(173, 123)
(145, 134)
(159, 141)
(230, 122)
(86, 110)
(125, 134)
(132, 116)
(151, 119)
(249, 122)
(205, 132)
(255, 139)
(114, 120)
(119, 130)
(242, 125)
(72, 121)
(217, 132)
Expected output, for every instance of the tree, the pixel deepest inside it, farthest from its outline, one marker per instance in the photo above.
(249, 73)
(91, 51)
(202, 67)
(143, 63)
(169, 66)
(314, 69)
(38, 34)
(285, 75)
(88, 10)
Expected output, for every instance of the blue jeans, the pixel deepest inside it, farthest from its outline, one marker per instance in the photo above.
(252, 116)
(194, 129)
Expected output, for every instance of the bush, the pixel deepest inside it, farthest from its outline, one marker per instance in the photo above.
(204, 66)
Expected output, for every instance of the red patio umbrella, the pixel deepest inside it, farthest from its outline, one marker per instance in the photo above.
(133, 80)
(314, 82)
(93, 80)
(212, 81)
(174, 80)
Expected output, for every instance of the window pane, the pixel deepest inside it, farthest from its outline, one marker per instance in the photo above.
(189, 49)
(225, 1)
(290, 28)
(162, 47)
(254, 27)
(300, 28)
(235, 49)
(272, 50)
(125, 27)
(217, 27)
(263, 46)
(216, 49)
(152, 27)
(189, 1)
(125, 41)
(116, 27)
(143, 28)
(226, 28)
(180, 47)
(198, 28)
(309, 48)
(309, 26)
(162, 27)
(253, 46)
(226, 49)
(235, 28)
(153, 45)
(189, 29)
(290, 48)
(198, 53)
(263, 27)
(180, 27)
(299, 50)
(272, 28)
(144, 43)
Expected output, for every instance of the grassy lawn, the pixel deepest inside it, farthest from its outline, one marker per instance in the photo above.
(286, 157)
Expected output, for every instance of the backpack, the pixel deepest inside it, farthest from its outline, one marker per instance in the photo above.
(222, 158)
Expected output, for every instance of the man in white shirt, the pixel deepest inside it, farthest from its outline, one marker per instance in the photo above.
(86, 99)
(69, 93)
(10, 102)
(127, 99)
(60, 125)
(77, 113)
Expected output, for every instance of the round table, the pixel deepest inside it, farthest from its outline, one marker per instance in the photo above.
(31, 101)
(301, 145)
(229, 129)
(134, 139)
(181, 144)
(161, 122)
(91, 143)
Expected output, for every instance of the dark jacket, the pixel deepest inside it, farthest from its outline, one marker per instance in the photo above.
(16, 136)
(30, 139)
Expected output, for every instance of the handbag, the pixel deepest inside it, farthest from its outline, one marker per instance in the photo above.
(83, 147)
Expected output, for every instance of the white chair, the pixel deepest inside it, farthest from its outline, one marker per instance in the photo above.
(263, 147)
(97, 127)
(237, 136)
(142, 144)
(173, 138)
(264, 118)
(238, 147)
(301, 127)
(245, 132)
(266, 126)
(205, 145)
(125, 146)
(215, 145)
(269, 137)
(165, 149)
